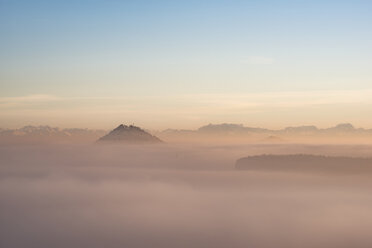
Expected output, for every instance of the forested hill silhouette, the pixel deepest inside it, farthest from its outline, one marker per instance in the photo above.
(305, 163)
(130, 135)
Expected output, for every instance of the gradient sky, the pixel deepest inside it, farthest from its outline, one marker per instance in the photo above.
(183, 64)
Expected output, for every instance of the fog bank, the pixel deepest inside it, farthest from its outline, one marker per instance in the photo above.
(177, 196)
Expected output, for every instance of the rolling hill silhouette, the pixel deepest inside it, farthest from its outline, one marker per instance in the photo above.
(305, 163)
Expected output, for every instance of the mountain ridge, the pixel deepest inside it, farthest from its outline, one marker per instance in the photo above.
(48, 134)
(240, 128)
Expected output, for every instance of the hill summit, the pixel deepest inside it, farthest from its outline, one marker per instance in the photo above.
(130, 135)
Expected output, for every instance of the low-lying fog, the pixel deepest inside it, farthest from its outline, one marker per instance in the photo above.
(177, 196)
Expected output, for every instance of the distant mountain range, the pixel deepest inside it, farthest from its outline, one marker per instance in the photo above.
(231, 129)
(46, 134)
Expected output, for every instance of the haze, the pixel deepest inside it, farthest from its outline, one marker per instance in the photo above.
(177, 196)
(185, 124)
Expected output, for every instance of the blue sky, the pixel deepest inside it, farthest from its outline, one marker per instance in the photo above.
(169, 48)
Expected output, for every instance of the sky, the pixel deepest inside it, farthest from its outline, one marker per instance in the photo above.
(183, 64)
